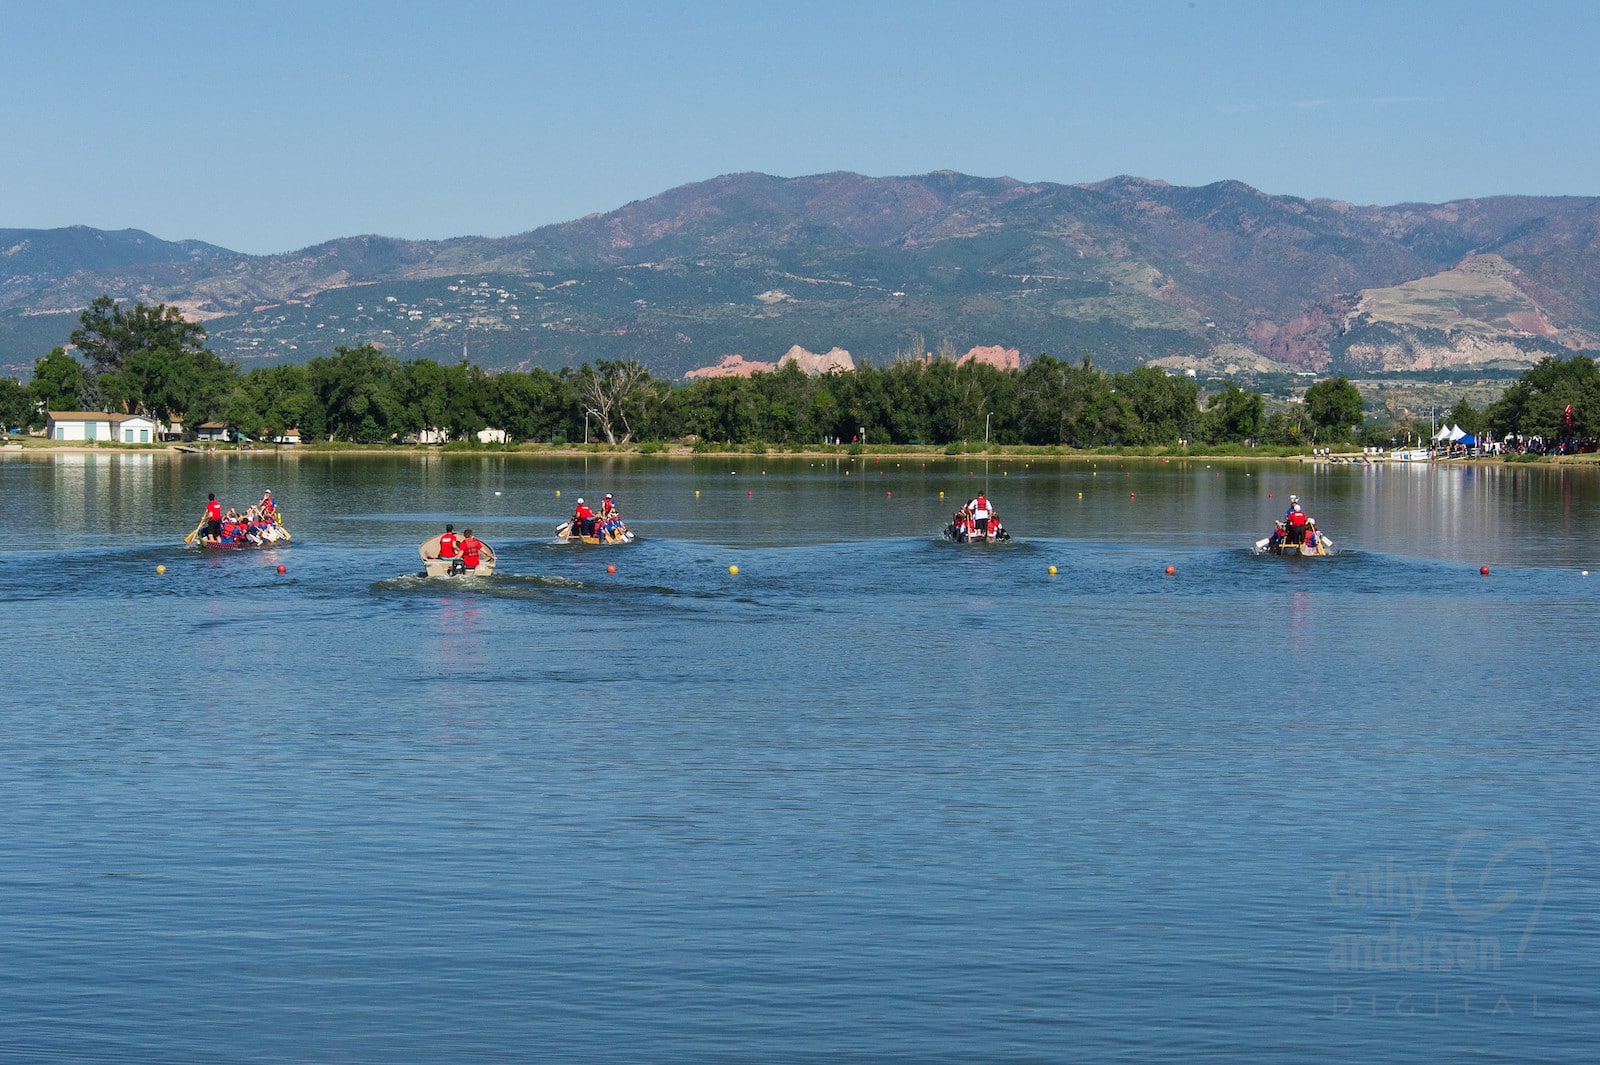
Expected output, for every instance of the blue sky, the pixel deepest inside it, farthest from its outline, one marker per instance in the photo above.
(269, 127)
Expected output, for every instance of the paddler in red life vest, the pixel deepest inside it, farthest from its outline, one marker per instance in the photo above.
(472, 549)
(267, 507)
(583, 519)
(1297, 525)
(980, 514)
(608, 523)
(213, 517)
(447, 548)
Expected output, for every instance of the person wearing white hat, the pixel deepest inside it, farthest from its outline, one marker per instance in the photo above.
(583, 519)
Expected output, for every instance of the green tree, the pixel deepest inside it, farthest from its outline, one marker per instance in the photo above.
(60, 383)
(528, 406)
(1286, 428)
(357, 390)
(1536, 404)
(1167, 408)
(424, 395)
(16, 405)
(281, 399)
(466, 400)
(1335, 408)
(1468, 417)
(1233, 416)
(107, 335)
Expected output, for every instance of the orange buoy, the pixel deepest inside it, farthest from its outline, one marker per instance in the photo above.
(611, 569)
(282, 568)
(1171, 570)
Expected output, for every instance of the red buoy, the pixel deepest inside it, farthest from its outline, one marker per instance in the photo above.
(1483, 571)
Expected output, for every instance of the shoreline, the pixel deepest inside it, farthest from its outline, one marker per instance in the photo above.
(683, 451)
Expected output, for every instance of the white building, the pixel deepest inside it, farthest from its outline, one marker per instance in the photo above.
(95, 426)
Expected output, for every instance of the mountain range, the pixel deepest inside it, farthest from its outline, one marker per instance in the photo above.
(1220, 279)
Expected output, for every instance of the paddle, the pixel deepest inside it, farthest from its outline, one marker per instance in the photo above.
(190, 538)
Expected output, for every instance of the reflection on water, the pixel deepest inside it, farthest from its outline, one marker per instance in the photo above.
(875, 796)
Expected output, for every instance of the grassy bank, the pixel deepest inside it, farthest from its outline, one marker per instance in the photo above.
(1222, 452)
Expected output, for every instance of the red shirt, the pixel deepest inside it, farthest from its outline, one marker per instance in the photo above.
(470, 546)
(447, 545)
(213, 511)
(582, 513)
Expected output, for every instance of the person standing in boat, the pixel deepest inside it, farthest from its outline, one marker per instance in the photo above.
(1297, 525)
(213, 518)
(980, 515)
(608, 509)
(268, 509)
(473, 550)
(448, 541)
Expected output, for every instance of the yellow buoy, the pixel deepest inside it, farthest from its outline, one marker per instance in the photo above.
(1052, 571)
(161, 569)
(558, 491)
(733, 570)
(697, 493)
(941, 495)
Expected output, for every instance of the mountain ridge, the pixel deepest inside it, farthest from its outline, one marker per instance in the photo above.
(1128, 270)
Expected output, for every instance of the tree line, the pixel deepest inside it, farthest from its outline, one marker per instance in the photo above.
(150, 360)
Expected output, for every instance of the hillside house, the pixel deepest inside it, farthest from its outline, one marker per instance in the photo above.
(214, 433)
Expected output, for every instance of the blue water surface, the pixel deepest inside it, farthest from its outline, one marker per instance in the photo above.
(874, 798)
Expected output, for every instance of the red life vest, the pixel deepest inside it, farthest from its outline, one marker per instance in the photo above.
(469, 551)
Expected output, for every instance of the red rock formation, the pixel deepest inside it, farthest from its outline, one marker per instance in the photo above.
(994, 355)
(812, 364)
(730, 366)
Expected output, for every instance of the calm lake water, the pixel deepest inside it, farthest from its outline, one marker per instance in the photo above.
(875, 798)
